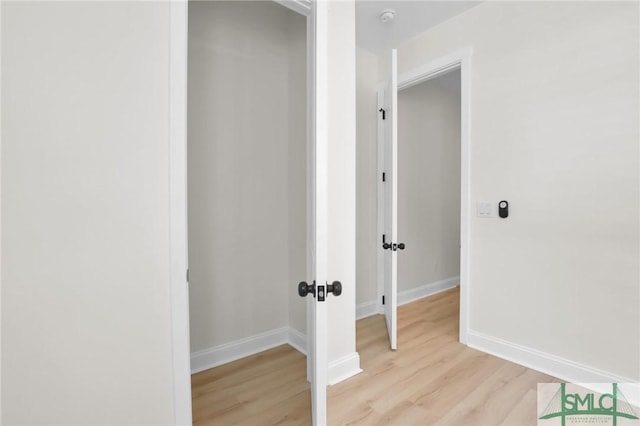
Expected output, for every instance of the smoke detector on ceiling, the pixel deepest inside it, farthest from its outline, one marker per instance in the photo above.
(387, 15)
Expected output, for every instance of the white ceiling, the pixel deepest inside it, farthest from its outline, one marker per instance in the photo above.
(412, 18)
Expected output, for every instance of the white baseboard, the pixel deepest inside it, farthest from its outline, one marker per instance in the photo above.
(338, 370)
(426, 290)
(343, 368)
(232, 351)
(552, 365)
(297, 340)
(366, 309)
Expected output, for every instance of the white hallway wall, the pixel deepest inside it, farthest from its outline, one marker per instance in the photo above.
(367, 173)
(247, 170)
(554, 130)
(86, 326)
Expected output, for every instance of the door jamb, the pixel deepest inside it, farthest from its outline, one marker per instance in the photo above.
(458, 59)
(179, 286)
(311, 174)
(178, 253)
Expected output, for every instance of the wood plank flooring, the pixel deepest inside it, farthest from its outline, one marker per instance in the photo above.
(430, 380)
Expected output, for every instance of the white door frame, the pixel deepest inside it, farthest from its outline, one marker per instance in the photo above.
(459, 59)
(179, 290)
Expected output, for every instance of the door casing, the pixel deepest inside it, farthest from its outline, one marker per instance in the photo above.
(459, 59)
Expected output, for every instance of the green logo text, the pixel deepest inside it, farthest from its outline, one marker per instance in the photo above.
(565, 404)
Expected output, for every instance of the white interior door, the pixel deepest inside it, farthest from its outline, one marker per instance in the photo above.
(317, 352)
(317, 357)
(332, 164)
(390, 189)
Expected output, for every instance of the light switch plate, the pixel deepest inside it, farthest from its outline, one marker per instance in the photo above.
(483, 209)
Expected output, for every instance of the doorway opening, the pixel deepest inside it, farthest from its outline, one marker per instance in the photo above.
(428, 212)
(425, 196)
(248, 212)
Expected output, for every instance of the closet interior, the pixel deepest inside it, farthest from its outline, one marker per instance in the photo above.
(247, 176)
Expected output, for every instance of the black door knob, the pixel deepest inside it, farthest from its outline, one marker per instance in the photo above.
(401, 246)
(304, 289)
(386, 246)
(335, 288)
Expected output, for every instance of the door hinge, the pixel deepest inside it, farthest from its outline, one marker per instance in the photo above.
(383, 300)
(384, 177)
(384, 113)
(187, 275)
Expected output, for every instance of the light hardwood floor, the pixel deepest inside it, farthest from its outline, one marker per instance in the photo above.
(430, 380)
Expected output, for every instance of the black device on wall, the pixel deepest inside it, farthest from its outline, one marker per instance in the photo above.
(503, 209)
